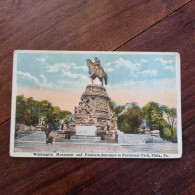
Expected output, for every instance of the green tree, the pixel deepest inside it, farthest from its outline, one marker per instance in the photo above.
(20, 109)
(28, 111)
(47, 112)
(58, 114)
(66, 115)
(115, 108)
(130, 121)
(153, 115)
(31, 112)
(161, 118)
(44, 107)
(170, 117)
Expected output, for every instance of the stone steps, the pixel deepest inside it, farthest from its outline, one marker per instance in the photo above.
(82, 141)
(85, 138)
(147, 148)
(153, 148)
(139, 139)
(131, 143)
(21, 134)
(38, 136)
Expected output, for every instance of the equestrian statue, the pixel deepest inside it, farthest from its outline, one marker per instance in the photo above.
(96, 71)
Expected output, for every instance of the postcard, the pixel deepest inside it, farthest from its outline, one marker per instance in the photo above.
(92, 104)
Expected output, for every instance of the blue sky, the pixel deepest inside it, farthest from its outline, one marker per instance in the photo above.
(70, 72)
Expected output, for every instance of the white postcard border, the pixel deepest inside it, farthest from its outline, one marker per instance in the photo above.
(131, 155)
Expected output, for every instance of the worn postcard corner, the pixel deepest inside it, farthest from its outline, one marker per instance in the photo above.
(71, 104)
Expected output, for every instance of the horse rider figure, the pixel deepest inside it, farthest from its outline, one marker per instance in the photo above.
(96, 70)
(97, 62)
(97, 66)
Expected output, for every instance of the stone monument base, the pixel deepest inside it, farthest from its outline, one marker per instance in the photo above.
(64, 134)
(40, 127)
(85, 138)
(92, 116)
(89, 130)
(107, 136)
(147, 131)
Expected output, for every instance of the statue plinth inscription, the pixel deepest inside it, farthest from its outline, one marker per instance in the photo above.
(86, 130)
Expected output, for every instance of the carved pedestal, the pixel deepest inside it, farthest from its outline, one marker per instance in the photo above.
(64, 134)
(40, 127)
(93, 110)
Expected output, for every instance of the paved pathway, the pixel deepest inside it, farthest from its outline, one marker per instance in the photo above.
(35, 142)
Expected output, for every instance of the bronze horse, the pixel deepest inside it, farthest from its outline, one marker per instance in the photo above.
(96, 70)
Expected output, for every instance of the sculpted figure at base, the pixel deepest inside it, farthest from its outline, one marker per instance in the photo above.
(93, 109)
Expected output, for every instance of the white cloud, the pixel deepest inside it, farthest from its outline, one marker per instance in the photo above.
(123, 65)
(45, 83)
(167, 63)
(154, 85)
(134, 68)
(62, 66)
(57, 67)
(44, 79)
(75, 76)
(80, 67)
(128, 64)
(171, 68)
(143, 61)
(149, 72)
(27, 75)
(108, 64)
(42, 60)
(109, 69)
(164, 62)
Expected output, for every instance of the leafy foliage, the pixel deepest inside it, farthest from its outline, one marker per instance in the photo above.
(130, 121)
(153, 114)
(28, 111)
(157, 117)
(170, 117)
(130, 118)
(161, 118)
(115, 108)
